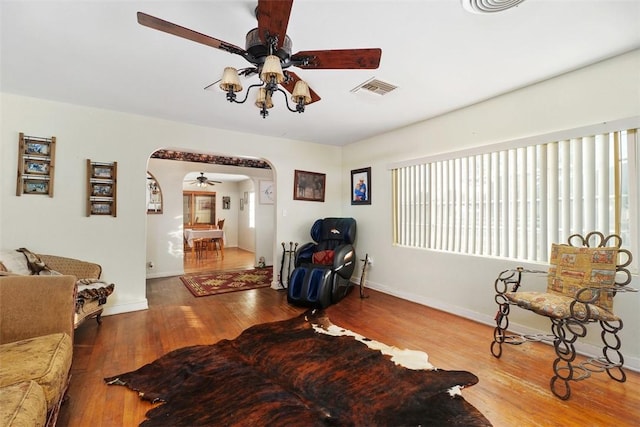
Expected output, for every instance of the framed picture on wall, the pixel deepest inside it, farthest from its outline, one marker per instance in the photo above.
(361, 186)
(309, 186)
(267, 194)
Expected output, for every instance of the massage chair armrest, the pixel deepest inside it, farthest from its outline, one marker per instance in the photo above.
(304, 254)
(344, 260)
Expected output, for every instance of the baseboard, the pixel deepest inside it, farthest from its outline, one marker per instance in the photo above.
(126, 308)
(161, 274)
(589, 350)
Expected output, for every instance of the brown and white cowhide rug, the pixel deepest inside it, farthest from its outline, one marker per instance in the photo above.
(301, 372)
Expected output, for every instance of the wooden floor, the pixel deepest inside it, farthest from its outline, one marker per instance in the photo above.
(234, 259)
(512, 391)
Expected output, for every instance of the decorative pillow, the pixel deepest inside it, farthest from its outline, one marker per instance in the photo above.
(323, 257)
(15, 262)
(573, 268)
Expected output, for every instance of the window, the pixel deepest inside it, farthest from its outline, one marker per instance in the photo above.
(515, 199)
(199, 209)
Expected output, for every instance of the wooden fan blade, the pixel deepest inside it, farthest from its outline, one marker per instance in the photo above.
(340, 58)
(273, 19)
(290, 84)
(185, 33)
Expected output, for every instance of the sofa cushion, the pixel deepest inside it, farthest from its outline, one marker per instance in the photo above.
(23, 405)
(45, 360)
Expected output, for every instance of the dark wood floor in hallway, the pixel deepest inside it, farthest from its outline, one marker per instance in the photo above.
(512, 391)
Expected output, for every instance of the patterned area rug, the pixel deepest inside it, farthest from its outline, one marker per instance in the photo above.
(202, 285)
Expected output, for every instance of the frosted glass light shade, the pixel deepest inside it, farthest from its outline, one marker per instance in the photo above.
(263, 98)
(272, 68)
(230, 80)
(301, 91)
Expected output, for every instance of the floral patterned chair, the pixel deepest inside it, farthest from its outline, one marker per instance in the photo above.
(582, 280)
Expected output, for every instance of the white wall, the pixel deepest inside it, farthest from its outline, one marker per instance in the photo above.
(464, 284)
(59, 225)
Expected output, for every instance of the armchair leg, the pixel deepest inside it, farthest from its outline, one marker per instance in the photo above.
(566, 332)
(611, 352)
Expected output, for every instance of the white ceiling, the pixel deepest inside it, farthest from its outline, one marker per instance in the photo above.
(441, 56)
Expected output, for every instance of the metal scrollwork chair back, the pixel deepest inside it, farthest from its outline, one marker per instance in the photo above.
(583, 277)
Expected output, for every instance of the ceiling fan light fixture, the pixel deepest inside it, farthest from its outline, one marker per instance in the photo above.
(264, 99)
(272, 69)
(230, 80)
(301, 93)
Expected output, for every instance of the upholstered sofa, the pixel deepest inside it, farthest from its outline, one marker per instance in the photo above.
(36, 346)
(92, 293)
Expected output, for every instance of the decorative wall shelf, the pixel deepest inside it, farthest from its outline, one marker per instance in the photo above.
(102, 188)
(36, 165)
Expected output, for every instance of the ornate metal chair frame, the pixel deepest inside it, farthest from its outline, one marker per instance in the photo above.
(567, 327)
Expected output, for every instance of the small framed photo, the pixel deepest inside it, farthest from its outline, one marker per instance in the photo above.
(37, 147)
(241, 204)
(101, 171)
(36, 167)
(309, 186)
(226, 202)
(36, 186)
(267, 193)
(100, 189)
(101, 207)
(361, 186)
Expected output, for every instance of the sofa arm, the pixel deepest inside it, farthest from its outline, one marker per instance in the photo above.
(72, 266)
(31, 306)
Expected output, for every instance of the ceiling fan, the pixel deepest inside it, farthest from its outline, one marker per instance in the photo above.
(268, 50)
(203, 181)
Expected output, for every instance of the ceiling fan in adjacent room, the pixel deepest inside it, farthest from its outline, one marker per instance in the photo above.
(268, 50)
(203, 181)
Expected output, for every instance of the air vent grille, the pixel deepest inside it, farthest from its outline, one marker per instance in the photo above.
(376, 86)
(489, 6)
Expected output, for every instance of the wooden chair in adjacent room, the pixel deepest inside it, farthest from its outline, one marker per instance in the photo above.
(218, 240)
(583, 277)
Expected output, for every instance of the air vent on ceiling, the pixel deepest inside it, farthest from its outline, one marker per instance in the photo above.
(376, 86)
(489, 6)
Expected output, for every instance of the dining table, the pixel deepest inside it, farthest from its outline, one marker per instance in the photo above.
(190, 234)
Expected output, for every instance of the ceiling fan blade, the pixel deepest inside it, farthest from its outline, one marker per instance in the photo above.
(185, 33)
(289, 85)
(339, 59)
(273, 19)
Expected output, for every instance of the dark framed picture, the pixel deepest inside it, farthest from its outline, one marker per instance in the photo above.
(361, 186)
(37, 147)
(101, 171)
(101, 207)
(38, 167)
(101, 189)
(226, 202)
(309, 186)
(36, 186)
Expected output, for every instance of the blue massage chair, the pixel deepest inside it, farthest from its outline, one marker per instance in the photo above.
(323, 267)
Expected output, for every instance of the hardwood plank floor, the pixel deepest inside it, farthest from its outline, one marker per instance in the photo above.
(234, 259)
(512, 391)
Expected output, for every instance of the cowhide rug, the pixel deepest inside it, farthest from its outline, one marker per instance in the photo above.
(300, 372)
